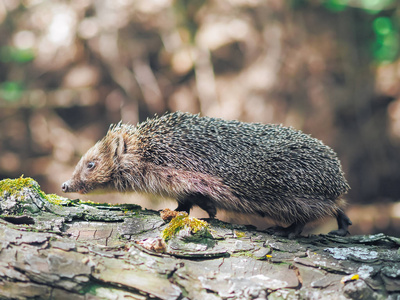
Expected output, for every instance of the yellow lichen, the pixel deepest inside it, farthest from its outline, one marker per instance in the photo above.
(57, 200)
(92, 203)
(14, 186)
(355, 277)
(183, 221)
(348, 278)
(239, 234)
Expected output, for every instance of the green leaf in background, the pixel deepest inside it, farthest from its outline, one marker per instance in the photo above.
(375, 6)
(386, 45)
(23, 55)
(386, 48)
(336, 5)
(382, 26)
(11, 91)
(12, 54)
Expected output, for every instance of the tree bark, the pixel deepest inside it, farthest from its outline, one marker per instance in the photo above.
(56, 248)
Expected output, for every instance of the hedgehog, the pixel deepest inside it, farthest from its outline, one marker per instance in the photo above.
(264, 169)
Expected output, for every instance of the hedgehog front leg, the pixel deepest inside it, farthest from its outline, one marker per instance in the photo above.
(205, 203)
(343, 222)
(290, 232)
(186, 203)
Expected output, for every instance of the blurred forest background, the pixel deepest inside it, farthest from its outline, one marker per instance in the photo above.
(68, 69)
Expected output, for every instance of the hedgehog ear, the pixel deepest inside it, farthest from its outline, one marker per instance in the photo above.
(121, 147)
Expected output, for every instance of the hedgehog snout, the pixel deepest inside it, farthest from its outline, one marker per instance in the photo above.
(65, 186)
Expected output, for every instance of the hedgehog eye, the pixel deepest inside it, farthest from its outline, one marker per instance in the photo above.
(90, 165)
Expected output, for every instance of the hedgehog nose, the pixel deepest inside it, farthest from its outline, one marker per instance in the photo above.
(64, 187)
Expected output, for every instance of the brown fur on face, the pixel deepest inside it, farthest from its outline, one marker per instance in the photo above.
(107, 165)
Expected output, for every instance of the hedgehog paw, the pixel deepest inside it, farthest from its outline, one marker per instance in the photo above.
(339, 232)
(343, 222)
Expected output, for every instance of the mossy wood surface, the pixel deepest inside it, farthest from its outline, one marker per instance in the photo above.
(56, 248)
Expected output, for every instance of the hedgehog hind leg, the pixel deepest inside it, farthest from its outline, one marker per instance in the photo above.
(290, 232)
(343, 222)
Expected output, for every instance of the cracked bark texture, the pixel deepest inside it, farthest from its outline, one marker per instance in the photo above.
(76, 250)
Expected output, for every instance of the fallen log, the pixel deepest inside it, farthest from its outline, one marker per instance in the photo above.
(53, 247)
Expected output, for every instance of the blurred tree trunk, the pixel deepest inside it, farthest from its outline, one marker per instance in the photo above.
(292, 62)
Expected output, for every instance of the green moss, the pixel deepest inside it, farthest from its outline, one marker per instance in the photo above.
(14, 186)
(55, 199)
(130, 208)
(183, 221)
(92, 203)
(58, 200)
(244, 253)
